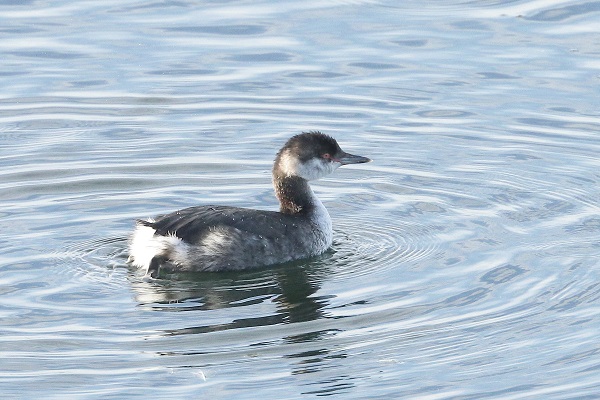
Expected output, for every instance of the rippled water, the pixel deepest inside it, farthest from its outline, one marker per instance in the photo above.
(465, 263)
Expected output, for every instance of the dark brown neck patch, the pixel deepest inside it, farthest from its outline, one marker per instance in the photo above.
(294, 194)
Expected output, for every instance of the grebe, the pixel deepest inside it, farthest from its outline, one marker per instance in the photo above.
(222, 238)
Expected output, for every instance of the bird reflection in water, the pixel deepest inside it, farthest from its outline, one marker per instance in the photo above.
(289, 294)
(289, 287)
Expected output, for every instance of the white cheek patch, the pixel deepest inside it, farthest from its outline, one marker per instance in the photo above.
(311, 170)
(289, 164)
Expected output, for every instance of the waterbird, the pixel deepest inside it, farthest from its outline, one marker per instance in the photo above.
(225, 238)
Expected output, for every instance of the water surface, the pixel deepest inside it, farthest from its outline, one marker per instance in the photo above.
(465, 260)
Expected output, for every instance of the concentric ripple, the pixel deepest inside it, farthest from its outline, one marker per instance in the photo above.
(465, 262)
(362, 247)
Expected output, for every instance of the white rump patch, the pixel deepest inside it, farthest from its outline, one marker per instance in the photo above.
(144, 246)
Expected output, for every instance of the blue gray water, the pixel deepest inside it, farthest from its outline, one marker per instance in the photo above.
(466, 256)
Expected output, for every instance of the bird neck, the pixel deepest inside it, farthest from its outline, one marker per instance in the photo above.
(294, 194)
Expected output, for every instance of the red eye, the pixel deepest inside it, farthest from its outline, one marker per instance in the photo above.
(327, 156)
